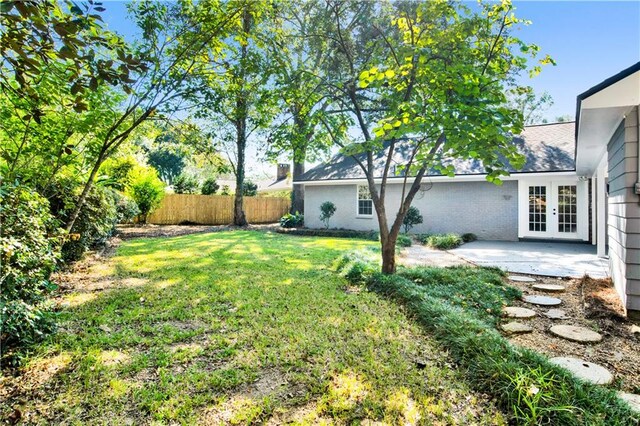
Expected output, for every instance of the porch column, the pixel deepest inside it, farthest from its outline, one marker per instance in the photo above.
(601, 202)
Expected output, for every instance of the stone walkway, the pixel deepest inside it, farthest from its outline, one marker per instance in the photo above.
(582, 369)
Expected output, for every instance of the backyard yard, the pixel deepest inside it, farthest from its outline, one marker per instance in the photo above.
(234, 328)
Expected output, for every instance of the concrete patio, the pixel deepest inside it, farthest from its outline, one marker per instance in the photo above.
(539, 258)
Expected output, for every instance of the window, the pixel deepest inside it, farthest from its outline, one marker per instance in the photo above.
(365, 204)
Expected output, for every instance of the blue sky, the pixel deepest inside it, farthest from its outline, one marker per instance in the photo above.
(589, 40)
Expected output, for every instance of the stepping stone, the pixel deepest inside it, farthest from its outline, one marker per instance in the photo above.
(632, 399)
(516, 328)
(552, 288)
(584, 370)
(521, 279)
(515, 312)
(555, 314)
(576, 334)
(542, 300)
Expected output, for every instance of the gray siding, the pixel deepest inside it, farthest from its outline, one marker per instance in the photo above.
(487, 210)
(624, 211)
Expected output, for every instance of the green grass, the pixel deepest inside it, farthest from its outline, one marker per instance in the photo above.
(237, 327)
(459, 306)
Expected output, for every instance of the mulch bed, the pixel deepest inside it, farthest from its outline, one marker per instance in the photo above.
(127, 232)
(591, 303)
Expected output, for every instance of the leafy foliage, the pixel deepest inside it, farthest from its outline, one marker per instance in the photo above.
(96, 220)
(186, 184)
(29, 251)
(443, 241)
(147, 190)
(404, 241)
(249, 189)
(327, 209)
(411, 219)
(210, 187)
(168, 163)
(292, 220)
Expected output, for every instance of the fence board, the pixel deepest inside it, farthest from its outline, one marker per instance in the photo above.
(216, 209)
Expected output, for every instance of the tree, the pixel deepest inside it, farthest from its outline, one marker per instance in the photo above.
(432, 84)
(236, 98)
(299, 132)
(168, 163)
(185, 184)
(147, 190)
(171, 53)
(327, 209)
(411, 219)
(531, 106)
(210, 187)
(249, 189)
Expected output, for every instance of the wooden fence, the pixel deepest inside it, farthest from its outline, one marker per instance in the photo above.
(216, 209)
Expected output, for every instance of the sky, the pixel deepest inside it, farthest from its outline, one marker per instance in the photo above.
(589, 40)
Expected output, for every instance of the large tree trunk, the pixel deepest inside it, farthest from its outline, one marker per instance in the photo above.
(239, 218)
(297, 200)
(389, 253)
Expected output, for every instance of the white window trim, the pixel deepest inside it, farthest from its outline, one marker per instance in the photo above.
(358, 215)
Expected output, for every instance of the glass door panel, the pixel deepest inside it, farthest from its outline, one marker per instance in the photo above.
(538, 208)
(567, 209)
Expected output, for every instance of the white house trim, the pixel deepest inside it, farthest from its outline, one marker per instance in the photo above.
(427, 179)
(552, 214)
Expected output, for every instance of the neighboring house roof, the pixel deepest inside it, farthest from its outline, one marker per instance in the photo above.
(268, 185)
(547, 148)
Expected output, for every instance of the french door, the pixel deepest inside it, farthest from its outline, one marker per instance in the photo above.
(553, 209)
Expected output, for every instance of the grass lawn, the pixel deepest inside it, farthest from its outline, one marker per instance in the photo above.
(236, 328)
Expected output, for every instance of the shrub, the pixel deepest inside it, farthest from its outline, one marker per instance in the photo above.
(249, 189)
(327, 209)
(412, 218)
(490, 363)
(225, 190)
(332, 233)
(95, 222)
(444, 241)
(185, 184)
(292, 220)
(209, 187)
(29, 250)
(117, 171)
(126, 208)
(468, 237)
(403, 241)
(147, 190)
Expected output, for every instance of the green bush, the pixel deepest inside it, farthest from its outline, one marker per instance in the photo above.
(292, 220)
(332, 233)
(403, 241)
(522, 381)
(147, 190)
(327, 209)
(443, 241)
(209, 187)
(225, 190)
(249, 189)
(469, 237)
(185, 184)
(95, 222)
(411, 219)
(29, 250)
(126, 208)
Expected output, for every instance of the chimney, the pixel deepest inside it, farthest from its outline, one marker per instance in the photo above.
(283, 171)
